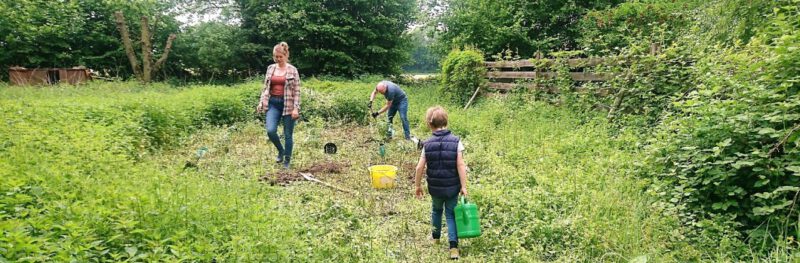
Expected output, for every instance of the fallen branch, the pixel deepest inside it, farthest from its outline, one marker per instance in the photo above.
(311, 178)
(617, 103)
(783, 141)
(473, 97)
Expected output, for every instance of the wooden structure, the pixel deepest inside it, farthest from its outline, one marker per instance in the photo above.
(504, 75)
(48, 76)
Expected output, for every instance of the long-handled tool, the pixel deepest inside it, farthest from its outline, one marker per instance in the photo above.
(373, 133)
(311, 178)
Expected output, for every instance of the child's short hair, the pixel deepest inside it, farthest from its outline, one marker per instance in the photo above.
(436, 117)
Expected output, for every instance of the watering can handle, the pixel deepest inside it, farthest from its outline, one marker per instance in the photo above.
(462, 200)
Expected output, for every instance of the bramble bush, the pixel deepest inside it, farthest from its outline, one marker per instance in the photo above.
(336, 100)
(603, 32)
(730, 147)
(717, 110)
(721, 113)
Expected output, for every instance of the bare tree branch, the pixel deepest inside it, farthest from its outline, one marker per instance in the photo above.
(164, 55)
(784, 140)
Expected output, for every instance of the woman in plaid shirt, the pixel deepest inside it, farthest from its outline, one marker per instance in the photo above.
(280, 99)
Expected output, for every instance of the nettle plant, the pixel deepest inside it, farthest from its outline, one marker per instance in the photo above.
(731, 146)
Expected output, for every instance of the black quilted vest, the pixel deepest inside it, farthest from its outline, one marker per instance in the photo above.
(441, 152)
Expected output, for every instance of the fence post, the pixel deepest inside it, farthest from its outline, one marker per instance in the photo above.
(655, 48)
(539, 57)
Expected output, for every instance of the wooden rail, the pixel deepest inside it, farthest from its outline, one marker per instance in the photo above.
(573, 63)
(503, 75)
(576, 76)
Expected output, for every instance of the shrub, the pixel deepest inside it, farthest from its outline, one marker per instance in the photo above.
(462, 72)
(603, 31)
(331, 100)
(731, 147)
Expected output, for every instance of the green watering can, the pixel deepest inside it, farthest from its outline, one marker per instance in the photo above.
(467, 220)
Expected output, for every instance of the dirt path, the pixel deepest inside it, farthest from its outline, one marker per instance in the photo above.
(385, 224)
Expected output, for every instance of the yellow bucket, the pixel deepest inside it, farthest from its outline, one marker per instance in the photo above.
(383, 176)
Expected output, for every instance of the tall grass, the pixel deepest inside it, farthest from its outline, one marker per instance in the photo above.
(99, 173)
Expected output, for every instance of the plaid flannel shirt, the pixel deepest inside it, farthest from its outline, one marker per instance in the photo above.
(291, 93)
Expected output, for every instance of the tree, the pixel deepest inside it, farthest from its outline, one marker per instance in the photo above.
(41, 33)
(423, 58)
(212, 50)
(522, 26)
(148, 66)
(334, 37)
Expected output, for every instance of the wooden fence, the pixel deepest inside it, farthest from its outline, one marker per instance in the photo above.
(503, 75)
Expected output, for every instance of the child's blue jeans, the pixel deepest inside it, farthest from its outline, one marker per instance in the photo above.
(449, 205)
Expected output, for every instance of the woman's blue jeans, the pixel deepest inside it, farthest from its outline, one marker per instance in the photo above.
(449, 205)
(272, 118)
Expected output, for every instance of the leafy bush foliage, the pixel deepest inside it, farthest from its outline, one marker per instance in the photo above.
(332, 38)
(332, 101)
(462, 72)
(519, 25)
(603, 32)
(730, 146)
(718, 111)
(36, 33)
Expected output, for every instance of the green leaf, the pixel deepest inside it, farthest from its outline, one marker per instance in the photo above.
(763, 210)
(131, 251)
(722, 205)
(763, 131)
(761, 183)
(795, 169)
(740, 164)
(639, 259)
(787, 189)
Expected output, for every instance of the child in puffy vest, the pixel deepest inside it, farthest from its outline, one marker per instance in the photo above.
(443, 164)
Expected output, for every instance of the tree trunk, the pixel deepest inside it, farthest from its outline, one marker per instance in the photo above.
(149, 68)
(164, 55)
(126, 41)
(147, 51)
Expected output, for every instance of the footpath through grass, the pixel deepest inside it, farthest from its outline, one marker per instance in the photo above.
(114, 175)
